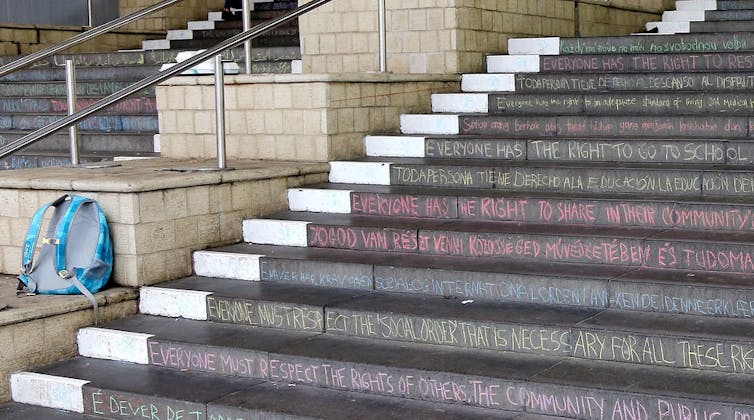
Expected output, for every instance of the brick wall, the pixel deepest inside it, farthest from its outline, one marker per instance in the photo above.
(453, 36)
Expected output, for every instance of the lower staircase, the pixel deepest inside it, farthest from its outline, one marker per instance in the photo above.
(571, 236)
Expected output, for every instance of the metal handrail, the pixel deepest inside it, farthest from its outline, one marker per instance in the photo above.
(159, 77)
(83, 37)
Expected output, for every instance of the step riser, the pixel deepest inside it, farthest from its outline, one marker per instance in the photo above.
(734, 5)
(585, 83)
(687, 43)
(729, 15)
(620, 104)
(626, 253)
(115, 404)
(727, 26)
(85, 89)
(599, 126)
(268, 41)
(668, 151)
(141, 124)
(265, 314)
(131, 106)
(648, 63)
(679, 183)
(84, 73)
(26, 161)
(518, 288)
(453, 388)
(111, 143)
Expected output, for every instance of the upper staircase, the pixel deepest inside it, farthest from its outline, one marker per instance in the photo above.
(35, 97)
(570, 236)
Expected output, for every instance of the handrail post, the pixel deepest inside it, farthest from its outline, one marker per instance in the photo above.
(246, 27)
(383, 35)
(220, 110)
(70, 90)
(90, 14)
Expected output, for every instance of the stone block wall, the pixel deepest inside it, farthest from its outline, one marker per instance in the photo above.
(453, 36)
(158, 211)
(290, 117)
(16, 39)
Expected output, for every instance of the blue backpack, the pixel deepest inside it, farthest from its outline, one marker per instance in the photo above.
(76, 255)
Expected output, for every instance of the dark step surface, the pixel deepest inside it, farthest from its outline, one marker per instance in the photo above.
(44, 160)
(261, 42)
(614, 103)
(729, 15)
(89, 142)
(722, 26)
(88, 88)
(496, 280)
(734, 4)
(105, 123)
(622, 82)
(481, 325)
(227, 33)
(437, 373)
(41, 74)
(714, 152)
(30, 412)
(135, 105)
(680, 43)
(635, 126)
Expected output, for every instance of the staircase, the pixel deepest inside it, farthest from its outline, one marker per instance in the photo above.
(35, 97)
(571, 236)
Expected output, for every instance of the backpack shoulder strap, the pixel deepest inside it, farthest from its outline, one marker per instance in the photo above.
(32, 235)
(61, 235)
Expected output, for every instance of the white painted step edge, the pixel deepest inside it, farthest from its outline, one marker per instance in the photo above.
(536, 46)
(696, 5)
(179, 34)
(366, 173)
(275, 232)
(173, 303)
(339, 201)
(123, 346)
(488, 82)
(394, 146)
(513, 64)
(201, 25)
(669, 27)
(319, 200)
(683, 16)
(48, 391)
(460, 102)
(227, 265)
(430, 124)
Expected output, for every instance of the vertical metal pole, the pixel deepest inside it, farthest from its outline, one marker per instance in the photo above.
(220, 110)
(70, 90)
(383, 35)
(90, 13)
(246, 27)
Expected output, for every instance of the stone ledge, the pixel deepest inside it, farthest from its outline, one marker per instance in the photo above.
(152, 175)
(313, 78)
(27, 308)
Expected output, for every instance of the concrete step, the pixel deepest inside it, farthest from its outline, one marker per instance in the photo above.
(440, 374)
(486, 280)
(30, 412)
(28, 105)
(625, 150)
(686, 43)
(668, 28)
(619, 247)
(613, 103)
(576, 126)
(681, 181)
(683, 15)
(450, 322)
(97, 123)
(622, 63)
(696, 4)
(616, 82)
